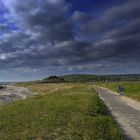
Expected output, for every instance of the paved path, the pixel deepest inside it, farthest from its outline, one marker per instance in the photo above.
(125, 111)
(13, 93)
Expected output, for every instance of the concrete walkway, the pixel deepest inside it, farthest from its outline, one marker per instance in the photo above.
(125, 111)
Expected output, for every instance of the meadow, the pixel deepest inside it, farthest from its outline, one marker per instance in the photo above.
(132, 89)
(58, 112)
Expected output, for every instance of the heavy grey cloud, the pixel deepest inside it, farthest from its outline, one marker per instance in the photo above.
(49, 36)
(117, 30)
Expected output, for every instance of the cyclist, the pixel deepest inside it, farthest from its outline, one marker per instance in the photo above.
(121, 90)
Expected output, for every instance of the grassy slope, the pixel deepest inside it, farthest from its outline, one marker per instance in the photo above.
(79, 78)
(73, 112)
(132, 88)
(91, 77)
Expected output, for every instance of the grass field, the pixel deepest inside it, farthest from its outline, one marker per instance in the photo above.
(58, 112)
(132, 88)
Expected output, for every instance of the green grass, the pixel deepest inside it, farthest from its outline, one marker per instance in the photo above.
(132, 88)
(74, 113)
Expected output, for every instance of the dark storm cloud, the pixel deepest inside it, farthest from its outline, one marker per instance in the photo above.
(4, 28)
(49, 18)
(129, 10)
(117, 29)
(112, 18)
(49, 35)
(40, 23)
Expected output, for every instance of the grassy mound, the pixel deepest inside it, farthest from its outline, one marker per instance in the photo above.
(74, 113)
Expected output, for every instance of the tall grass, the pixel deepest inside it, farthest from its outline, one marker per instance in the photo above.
(76, 113)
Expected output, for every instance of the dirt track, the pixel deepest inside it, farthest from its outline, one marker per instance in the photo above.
(125, 111)
(13, 93)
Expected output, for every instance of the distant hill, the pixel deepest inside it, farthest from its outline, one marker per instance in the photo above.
(91, 78)
(102, 78)
(79, 78)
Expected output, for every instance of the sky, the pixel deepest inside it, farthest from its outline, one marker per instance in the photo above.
(39, 38)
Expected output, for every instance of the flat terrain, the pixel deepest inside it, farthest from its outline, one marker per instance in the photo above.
(125, 111)
(58, 112)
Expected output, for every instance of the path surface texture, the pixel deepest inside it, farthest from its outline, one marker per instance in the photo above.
(13, 93)
(125, 111)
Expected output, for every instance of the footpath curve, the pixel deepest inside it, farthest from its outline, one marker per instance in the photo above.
(125, 111)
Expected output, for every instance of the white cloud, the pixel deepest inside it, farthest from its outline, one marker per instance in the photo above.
(5, 56)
